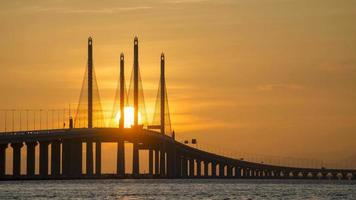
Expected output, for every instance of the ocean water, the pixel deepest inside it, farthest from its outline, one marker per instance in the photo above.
(178, 189)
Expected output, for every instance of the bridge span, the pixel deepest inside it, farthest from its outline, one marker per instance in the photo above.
(167, 158)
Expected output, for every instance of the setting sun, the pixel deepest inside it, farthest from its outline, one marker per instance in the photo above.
(129, 117)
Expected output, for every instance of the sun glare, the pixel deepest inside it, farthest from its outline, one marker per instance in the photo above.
(129, 117)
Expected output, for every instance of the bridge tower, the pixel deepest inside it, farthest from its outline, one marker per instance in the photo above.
(90, 82)
(135, 154)
(122, 91)
(136, 81)
(163, 94)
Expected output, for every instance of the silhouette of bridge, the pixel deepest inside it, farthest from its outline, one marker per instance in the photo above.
(167, 158)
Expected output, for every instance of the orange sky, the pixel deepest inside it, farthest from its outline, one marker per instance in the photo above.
(267, 77)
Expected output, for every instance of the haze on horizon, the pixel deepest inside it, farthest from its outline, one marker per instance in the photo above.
(275, 77)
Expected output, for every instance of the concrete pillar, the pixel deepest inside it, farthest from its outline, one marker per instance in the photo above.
(3, 159)
(44, 158)
(191, 167)
(121, 158)
(162, 162)
(150, 162)
(178, 165)
(198, 168)
(237, 172)
(89, 158)
(286, 174)
(55, 158)
(244, 172)
(98, 158)
(221, 169)
(156, 162)
(76, 158)
(229, 171)
(30, 163)
(171, 161)
(206, 168)
(135, 160)
(66, 151)
(16, 167)
(184, 167)
(213, 169)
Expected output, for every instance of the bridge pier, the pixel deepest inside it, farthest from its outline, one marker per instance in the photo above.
(221, 170)
(198, 168)
(55, 158)
(3, 159)
(191, 167)
(229, 171)
(30, 162)
(171, 161)
(44, 158)
(184, 167)
(120, 158)
(206, 169)
(76, 158)
(178, 165)
(16, 167)
(237, 172)
(89, 158)
(156, 162)
(162, 161)
(97, 158)
(135, 160)
(150, 162)
(213, 169)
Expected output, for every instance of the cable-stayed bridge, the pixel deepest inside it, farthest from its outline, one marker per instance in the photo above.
(60, 136)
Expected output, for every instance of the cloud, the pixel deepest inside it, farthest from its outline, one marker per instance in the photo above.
(339, 67)
(42, 9)
(186, 1)
(279, 86)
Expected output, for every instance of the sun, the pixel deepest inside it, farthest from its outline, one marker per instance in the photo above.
(129, 117)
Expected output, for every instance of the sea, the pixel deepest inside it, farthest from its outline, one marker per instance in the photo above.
(178, 189)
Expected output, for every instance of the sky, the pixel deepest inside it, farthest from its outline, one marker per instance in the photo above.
(271, 77)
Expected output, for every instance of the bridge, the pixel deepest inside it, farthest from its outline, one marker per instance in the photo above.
(61, 149)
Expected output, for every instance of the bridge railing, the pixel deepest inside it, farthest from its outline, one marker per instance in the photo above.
(12, 120)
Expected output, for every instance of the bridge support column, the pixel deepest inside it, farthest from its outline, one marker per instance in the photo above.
(55, 158)
(229, 171)
(97, 158)
(213, 169)
(121, 158)
(44, 159)
(89, 158)
(162, 162)
(237, 172)
(221, 170)
(65, 157)
(16, 167)
(3, 159)
(191, 167)
(206, 169)
(198, 168)
(156, 162)
(171, 161)
(135, 160)
(30, 162)
(150, 162)
(76, 158)
(184, 167)
(178, 165)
